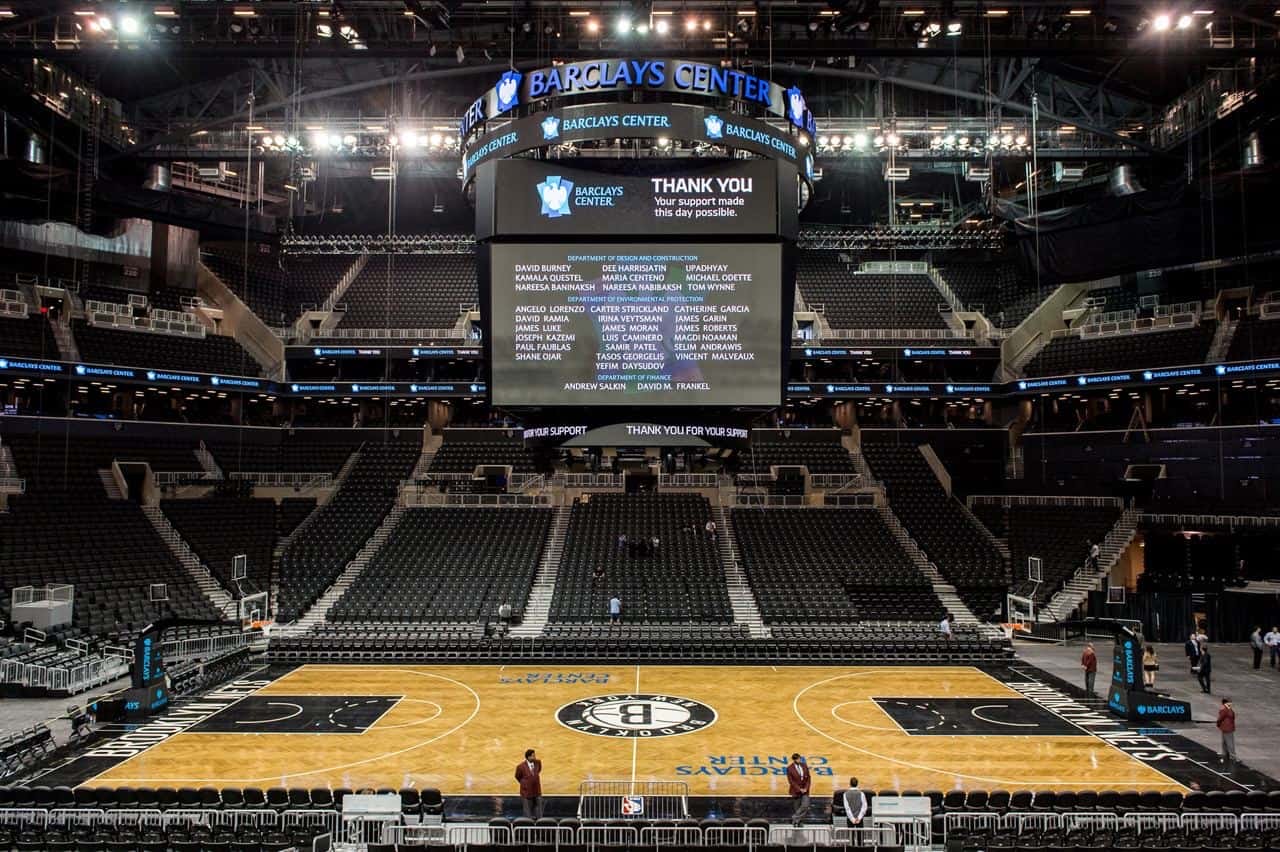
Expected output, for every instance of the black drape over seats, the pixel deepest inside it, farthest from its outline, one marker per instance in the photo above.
(276, 287)
(884, 301)
(450, 564)
(303, 451)
(819, 457)
(344, 524)
(682, 581)
(463, 456)
(411, 291)
(1058, 534)
(1256, 338)
(220, 528)
(830, 565)
(28, 338)
(211, 354)
(1065, 355)
(940, 526)
(66, 530)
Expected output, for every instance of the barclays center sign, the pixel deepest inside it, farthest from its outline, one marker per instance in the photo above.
(514, 89)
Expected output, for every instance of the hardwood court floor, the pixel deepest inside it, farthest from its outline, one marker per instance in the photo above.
(725, 730)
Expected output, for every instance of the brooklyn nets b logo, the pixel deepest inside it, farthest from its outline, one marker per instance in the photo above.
(636, 715)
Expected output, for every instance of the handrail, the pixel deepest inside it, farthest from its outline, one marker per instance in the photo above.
(276, 479)
(1007, 500)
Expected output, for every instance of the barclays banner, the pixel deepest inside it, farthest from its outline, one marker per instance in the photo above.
(686, 198)
(638, 121)
(592, 77)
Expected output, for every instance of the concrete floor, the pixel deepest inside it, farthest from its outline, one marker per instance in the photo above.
(1254, 694)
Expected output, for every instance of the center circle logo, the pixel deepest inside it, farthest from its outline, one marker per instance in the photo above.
(633, 715)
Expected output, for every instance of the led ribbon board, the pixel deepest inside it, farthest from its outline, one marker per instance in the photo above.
(593, 77)
(638, 121)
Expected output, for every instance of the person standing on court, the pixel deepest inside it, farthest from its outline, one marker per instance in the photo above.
(1089, 662)
(1272, 641)
(855, 803)
(1193, 652)
(615, 609)
(1227, 725)
(799, 780)
(529, 776)
(1204, 669)
(1258, 645)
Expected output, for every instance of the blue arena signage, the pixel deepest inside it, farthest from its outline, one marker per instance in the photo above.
(235, 382)
(513, 88)
(173, 378)
(34, 366)
(104, 372)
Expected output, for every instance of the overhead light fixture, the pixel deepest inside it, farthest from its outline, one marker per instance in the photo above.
(1161, 23)
(624, 25)
(1080, 13)
(912, 13)
(244, 12)
(997, 13)
(164, 12)
(324, 30)
(580, 13)
(1184, 22)
(661, 26)
(593, 26)
(690, 24)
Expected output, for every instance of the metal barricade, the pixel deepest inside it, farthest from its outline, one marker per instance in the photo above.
(542, 835)
(192, 818)
(738, 835)
(640, 799)
(805, 835)
(1094, 822)
(478, 835)
(867, 836)
(1215, 823)
(1021, 822)
(19, 817)
(1260, 822)
(414, 835)
(1154, 823)
(73, 819)
(966, 823)
(606, 835)
(138, 818)
(317, 822)
(672, 836)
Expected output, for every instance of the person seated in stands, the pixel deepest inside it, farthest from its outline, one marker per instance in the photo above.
(597, 573)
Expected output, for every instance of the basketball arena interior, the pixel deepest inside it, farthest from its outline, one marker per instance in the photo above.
(608, 425)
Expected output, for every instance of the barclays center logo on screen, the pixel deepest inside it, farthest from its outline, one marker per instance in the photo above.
(715, 126)
(508, 90)
(554, 193)
(550, 127)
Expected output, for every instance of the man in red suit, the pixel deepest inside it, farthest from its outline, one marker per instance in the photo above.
(529, 774)
(799, 780)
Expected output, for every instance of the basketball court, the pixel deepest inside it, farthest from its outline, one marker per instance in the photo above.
(725, 731)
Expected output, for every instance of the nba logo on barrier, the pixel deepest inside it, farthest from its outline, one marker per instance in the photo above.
(633, 805)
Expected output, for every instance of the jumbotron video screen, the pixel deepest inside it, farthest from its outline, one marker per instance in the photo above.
(636, 324)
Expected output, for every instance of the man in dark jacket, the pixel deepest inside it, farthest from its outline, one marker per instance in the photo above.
(529, 774)
(799, 781)
(1205, 673)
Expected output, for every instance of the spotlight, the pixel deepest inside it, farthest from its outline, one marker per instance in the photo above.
(410, 139)
(643, 29)
(335, 141)
(104, 23)
(706, 25)
(348, 32)
(859, 140)
(318, 138)
(661, 27)
(593, 26)
(279, 141)
(436, 140)
(1184, 22)
(1161, 23)
(1020, 140)
(624, 25)
(893, 140)
(349, 140)
(324, 31)
(129, 25)
(690, 24)
(954, 28)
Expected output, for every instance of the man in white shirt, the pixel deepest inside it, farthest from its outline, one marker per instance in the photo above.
(855, 803)
(944, 626)
(615, 609)
(1272, 641)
